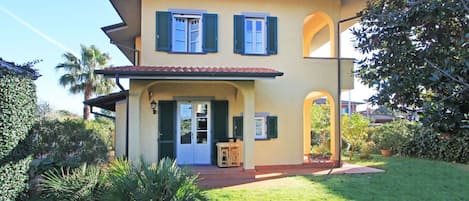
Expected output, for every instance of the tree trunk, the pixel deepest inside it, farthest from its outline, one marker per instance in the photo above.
(351, 152)
(86, 108)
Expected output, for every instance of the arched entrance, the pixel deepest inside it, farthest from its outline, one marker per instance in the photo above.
(325, 97)
(318, 35)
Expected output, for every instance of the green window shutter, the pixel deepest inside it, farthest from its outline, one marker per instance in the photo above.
(238, 127)
(272, 43)
(238, 44)
(163, 31)
(210, 32)
(219, 125)
(272, 127)
(167, 111)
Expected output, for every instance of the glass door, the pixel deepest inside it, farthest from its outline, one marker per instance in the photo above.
(193, 139)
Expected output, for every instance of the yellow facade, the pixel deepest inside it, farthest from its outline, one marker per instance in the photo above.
(289, 96)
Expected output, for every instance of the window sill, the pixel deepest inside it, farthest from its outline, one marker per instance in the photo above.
(262, 139)
(196, 53)
(255, 54)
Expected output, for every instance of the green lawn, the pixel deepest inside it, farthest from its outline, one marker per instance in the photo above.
(405, 179)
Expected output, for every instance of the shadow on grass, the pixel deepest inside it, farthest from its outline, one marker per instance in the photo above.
(404, 179)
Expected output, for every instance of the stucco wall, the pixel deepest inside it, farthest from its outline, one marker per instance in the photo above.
(283, 97)
(121, 108)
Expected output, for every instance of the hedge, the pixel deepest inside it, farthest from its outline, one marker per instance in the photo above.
(429, 144)
(17, 115)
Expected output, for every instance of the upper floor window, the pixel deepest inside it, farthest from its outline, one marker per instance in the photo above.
(255, 34)
(186, 32)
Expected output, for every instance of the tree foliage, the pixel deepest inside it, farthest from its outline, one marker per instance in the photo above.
(320, 120)
(354, 130)
(417, 58)
(79, 74)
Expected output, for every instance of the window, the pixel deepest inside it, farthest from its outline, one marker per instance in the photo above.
(255, 34)
(266, 127)
(186, 31)
(260, 128)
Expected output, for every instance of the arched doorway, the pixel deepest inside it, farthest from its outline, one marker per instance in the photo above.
(331, 141)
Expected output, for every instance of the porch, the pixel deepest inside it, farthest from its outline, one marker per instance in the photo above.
(215, 177)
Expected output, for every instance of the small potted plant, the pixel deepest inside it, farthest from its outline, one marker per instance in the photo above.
(320, 152)
(386, 139)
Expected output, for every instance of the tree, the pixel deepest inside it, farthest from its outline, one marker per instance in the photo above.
(79, 74)
(320, 120)
(354, 130)
(416, 55)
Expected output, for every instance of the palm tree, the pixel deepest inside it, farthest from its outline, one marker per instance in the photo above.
(79, 74)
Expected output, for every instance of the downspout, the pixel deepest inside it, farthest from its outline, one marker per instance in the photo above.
(339, 89)
(126, 116)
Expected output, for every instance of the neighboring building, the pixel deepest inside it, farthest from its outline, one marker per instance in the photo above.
(346, 105)
(19, 69)
(205, 71)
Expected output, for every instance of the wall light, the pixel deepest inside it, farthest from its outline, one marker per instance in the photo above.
(153, 105)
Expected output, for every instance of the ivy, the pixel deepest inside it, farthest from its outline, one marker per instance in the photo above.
(17, 116)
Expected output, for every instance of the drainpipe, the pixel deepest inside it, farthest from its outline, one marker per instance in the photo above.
(126, 116)
(339, 89)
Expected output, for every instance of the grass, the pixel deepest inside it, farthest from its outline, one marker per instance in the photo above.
(404, 179)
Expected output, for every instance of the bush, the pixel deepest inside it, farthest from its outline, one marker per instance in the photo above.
(17, 115)
(429, 144)
(82, 183)
(70, 143)
(166, 181)
(368, 148)
(392, 135)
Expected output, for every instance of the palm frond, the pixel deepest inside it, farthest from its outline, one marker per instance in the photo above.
(77, 88)
(67, 79)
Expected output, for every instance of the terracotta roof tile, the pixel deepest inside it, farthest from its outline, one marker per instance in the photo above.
(190, 71)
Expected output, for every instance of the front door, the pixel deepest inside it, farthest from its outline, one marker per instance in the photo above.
(193, 133)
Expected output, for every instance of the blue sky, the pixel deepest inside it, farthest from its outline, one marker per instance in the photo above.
(69, 23)
(63, 25)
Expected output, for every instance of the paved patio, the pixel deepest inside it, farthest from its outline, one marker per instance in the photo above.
(214, 177)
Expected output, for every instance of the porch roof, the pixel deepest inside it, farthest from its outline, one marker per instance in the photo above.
(190, 73)
(107, 102)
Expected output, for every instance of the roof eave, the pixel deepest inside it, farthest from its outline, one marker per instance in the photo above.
(123, 34)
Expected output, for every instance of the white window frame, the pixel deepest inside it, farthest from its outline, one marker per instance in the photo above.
(253, 50)
(188, 18)
(263, 128)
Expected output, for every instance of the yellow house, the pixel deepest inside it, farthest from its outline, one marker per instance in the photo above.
(205, 71)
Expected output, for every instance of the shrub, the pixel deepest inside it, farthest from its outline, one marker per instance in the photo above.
(166, 181)
(17, 115)
(392, 135)
(320, 150)
(368, 148)
(429, 144)
(81, 183)
(70, 143)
